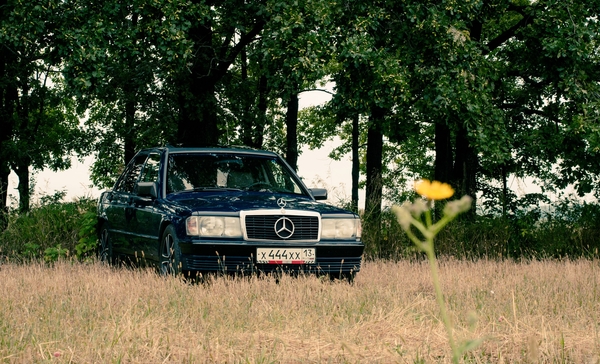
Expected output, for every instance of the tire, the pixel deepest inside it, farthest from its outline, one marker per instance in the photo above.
(105, 247)
(170, 253)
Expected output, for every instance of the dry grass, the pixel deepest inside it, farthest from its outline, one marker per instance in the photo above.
(528, 312)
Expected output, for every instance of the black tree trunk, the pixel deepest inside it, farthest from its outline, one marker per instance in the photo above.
(291, 123)
(374, 188)
(355, 162)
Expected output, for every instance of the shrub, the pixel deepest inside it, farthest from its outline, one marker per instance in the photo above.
(570, 230)
(50, 231)
(57, 229)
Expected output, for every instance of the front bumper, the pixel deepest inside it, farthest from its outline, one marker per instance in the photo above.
(331, 258)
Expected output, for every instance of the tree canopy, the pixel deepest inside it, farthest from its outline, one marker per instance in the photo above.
(466, 92)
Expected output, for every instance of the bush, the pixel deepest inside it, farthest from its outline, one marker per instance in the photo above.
(50, 231)
(56, 230)
(571, 229)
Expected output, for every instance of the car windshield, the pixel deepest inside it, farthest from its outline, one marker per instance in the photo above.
(210, 172)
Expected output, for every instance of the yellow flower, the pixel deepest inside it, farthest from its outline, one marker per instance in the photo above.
(435, 190)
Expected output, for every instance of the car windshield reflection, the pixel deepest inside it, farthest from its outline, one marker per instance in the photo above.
(222, 172)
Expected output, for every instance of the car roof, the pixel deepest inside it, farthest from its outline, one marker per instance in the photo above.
(208, 150)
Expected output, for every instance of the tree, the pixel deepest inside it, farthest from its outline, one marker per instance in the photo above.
(469, 93)
(489, 89)
(548, 67)
(218, 31)
(119, 63)
(296, 54)
(369, 81)
(40, 128)
(8, 100)
(160, 67)
(504, 85)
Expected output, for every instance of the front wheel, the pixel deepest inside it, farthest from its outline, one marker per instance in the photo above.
(170, 253)
(105, 248)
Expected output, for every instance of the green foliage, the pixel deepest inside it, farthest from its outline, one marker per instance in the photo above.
(87, 245)
(514, 81)
(387, 241)
(40, 128)
(571, 230)
(31, 250)
(51, 231)
(119, 63)
(316, 124)
(55, 253)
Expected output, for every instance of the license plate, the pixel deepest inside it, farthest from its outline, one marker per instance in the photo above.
(285, 255)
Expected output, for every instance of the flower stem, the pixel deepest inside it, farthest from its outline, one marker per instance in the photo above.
(428, 248)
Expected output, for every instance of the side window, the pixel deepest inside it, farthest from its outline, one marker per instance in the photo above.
(131, 175)
(150, 172)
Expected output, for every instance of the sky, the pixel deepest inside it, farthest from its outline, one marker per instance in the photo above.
(314, 166)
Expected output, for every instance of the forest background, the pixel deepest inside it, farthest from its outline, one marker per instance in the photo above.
(472, 93)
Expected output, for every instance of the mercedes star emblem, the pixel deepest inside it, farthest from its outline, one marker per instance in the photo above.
(281, 202)
(284, 228)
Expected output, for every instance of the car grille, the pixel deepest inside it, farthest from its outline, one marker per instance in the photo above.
(263, 227)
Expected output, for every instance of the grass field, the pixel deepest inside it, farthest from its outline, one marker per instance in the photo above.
(537, 311)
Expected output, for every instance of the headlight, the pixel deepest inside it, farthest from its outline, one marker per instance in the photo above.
(214, 226)
(340, 228)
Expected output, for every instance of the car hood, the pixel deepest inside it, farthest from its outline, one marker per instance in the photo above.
(238, 201)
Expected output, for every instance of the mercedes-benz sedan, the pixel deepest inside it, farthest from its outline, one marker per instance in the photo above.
(229, 210)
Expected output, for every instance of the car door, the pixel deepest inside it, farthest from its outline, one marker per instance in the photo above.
(121, 212)
(147, 215)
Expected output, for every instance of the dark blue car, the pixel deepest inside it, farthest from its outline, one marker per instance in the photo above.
(228, 210)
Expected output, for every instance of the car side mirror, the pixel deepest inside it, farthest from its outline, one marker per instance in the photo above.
(319, 193)
(147, 189)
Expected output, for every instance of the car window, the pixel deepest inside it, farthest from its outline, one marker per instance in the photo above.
(243, 172)
(150, 171)
(131, 175)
